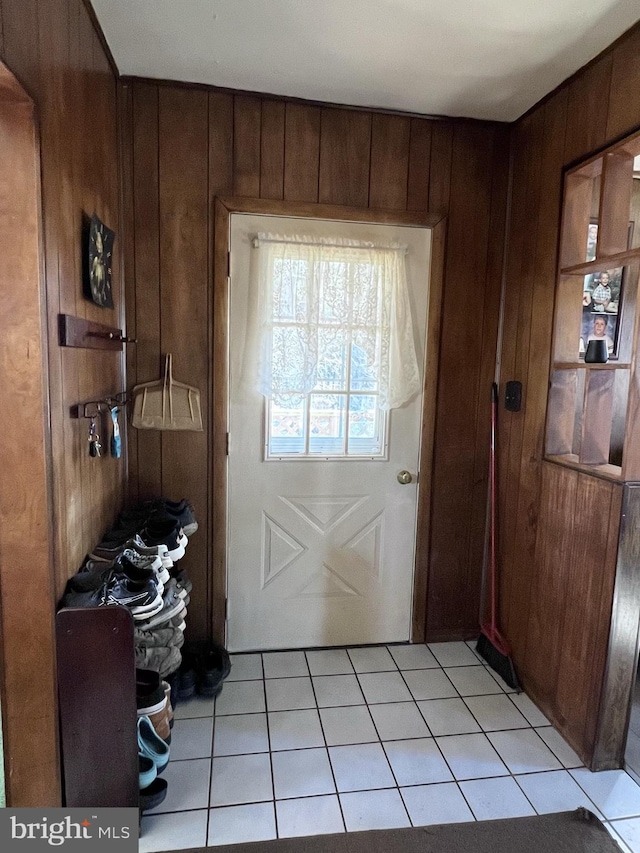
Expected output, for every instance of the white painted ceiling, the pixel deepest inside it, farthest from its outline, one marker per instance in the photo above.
(489, 59)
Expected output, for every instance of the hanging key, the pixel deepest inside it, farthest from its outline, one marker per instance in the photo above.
(95, 448)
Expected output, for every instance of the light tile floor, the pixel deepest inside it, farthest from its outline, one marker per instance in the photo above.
(303, 743)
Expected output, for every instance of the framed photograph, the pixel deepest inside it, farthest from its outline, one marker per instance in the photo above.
(98, 263)
(601, 309)
(592, 239)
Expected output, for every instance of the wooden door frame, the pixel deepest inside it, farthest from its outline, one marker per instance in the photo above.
(27, 593)
(219, 358)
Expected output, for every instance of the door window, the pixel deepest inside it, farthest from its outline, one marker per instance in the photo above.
(337, 348)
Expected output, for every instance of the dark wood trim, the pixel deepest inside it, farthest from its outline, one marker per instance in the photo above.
(430, 392)
(622, 656)
(127, 265)
(224, 207)
(341, 213)
(308, 102)
(32, 765)
(101, 36)
(219, 419)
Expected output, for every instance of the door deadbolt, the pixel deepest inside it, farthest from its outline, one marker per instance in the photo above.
(404, 478)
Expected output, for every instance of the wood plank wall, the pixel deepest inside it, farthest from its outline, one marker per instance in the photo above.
(598, 105)
(185, 145)
(53, 49)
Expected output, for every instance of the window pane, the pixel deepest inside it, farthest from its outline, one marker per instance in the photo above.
(332, 360)
(327, 423)
(363, 361)
(286, 425)
(364, 425)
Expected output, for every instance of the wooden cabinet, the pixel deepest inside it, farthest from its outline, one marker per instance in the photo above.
(593, 422)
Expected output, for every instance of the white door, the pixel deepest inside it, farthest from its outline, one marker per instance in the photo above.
(320, 550)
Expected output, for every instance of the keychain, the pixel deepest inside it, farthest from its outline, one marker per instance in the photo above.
(95, 448)
(116, 441)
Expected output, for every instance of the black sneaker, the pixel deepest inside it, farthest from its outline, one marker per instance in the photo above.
(108, 550)
(180, 511)
(150, 695)
(93, 598)
(187, 675)
(127, 566)
(154, 795)
(141, 597)
(172, 606)
(213, 667)
(165, 532)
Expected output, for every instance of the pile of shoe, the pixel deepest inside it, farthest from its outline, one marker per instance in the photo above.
(134, 566)
(204, 668)
(155, 721)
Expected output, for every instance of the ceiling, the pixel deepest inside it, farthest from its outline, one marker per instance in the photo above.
(488, 59)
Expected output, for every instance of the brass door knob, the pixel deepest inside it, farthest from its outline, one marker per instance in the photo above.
(404, 478)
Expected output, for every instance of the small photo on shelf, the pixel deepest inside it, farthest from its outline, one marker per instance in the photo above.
(592, 239)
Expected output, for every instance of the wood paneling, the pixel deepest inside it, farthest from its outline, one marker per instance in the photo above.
(575, 560)
(55, 52)
(143, 303)
(246, 144)
(345, 155)
(612, 702)
(623, 114)
(587, 109)
(454, 578)
(349, 158)
(184, 126)
(419, 165)
(543, 598)
(272, 150)
(301, 153)
(388, 176)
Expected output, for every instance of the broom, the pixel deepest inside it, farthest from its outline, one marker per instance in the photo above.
(491, 645)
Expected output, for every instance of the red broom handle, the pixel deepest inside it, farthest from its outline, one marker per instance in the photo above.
(492, 499)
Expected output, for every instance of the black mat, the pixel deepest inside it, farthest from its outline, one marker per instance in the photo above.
(566, 832)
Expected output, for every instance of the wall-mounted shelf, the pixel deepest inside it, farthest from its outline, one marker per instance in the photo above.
(593, 410)
(603, 263)
(78, 332)
(582, 365)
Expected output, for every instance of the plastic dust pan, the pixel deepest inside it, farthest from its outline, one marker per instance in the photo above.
(166, 404)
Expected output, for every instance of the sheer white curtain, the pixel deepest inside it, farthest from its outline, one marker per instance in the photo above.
(322, 297)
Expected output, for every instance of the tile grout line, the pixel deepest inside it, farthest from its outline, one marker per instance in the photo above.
(266, 715)
(483, 732)
(213, 734)
(444, 758)
(326, 745)
(384, 751)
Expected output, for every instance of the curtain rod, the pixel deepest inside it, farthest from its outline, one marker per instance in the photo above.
(402, 247)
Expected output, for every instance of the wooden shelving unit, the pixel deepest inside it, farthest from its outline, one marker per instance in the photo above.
(593, 410)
